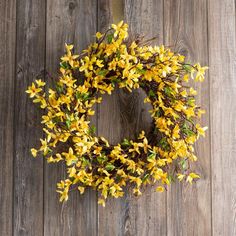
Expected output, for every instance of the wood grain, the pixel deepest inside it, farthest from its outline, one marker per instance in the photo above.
(7, 73)
(32, 37)
(222, 51)
(68, 22)
(28, 172)
(147, 214)
(130, 216)
(111, 220)
(189, 207)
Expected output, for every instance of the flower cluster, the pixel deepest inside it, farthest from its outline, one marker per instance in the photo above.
(158, 157)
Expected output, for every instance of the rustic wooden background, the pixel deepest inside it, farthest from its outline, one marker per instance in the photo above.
(32, 37)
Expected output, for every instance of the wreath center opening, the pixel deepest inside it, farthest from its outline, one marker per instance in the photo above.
(123, 109)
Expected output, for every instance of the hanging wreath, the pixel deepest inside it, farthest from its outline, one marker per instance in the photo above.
(161, 156)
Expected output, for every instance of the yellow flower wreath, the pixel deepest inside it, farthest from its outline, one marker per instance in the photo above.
(114, 60)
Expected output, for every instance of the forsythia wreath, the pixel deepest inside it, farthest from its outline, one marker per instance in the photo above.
(161, 156)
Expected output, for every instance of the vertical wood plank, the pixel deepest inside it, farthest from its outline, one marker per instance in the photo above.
(7, 72)
(222, 52)
(189, 207)
(130, 216)
(110, 219)
(68, 22)
(147, 214)
(28, 172)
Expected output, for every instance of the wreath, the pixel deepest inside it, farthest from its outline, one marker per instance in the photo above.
(114, 60)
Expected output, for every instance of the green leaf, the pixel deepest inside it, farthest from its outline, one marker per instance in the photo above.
(110, 167)
(183, 164)
(187, 67)
(101, 159)
(85, 162)
(145, 177)
(49, 150)
(82, 96)
(151, 93)
(168, 91)
(141, 71)
(92, 130)
(68, 123)
(151, 157)
(114, 81)
(64, 65)
(56, 119)
(164, 144)
(186, 130)
(126, 142)
(109, 38)
(102, 72)
(86, 96)
(158, 113)
(78, 95)
(191, 101)
(170, 178)
(59, 88)
(118, 54)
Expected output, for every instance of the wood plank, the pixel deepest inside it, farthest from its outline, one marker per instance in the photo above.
(7, 72)
(111, 220)
(147, 214)
(130, 216)
(107, 216)
(72, 22)
(28, 172)
(222, 53)
(189, 207)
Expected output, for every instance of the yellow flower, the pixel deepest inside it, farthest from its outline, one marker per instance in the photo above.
(191, 177)
(97, 150)
(121, 29)
(40, 83)
(136, 147)
(44, 146)
(33, 91)
(200, 72)
(98, 35)
(81, 189)
(99, 63)
(180, 176)
(201, 130)
(137, 191)
(70, 157)
(200, 112)
(72, 171)
(69, 47)
(101, 201)
(175, 133)
(160, 189)
(33, 152)
(192, 91)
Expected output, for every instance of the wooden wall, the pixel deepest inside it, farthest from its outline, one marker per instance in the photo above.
(32, 37)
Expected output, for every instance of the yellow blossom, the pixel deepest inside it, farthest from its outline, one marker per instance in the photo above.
(191, 177)
(33, 90)
(33, 152)
(160, 189)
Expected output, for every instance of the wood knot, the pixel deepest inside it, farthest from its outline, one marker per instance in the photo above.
(72, 5)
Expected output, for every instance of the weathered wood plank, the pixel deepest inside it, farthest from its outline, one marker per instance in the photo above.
(7, 72)
(189, 207)
(28, 172)
(222, 53)
(72, 22)
(110, 219)
(147, 214)
(130, 216)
